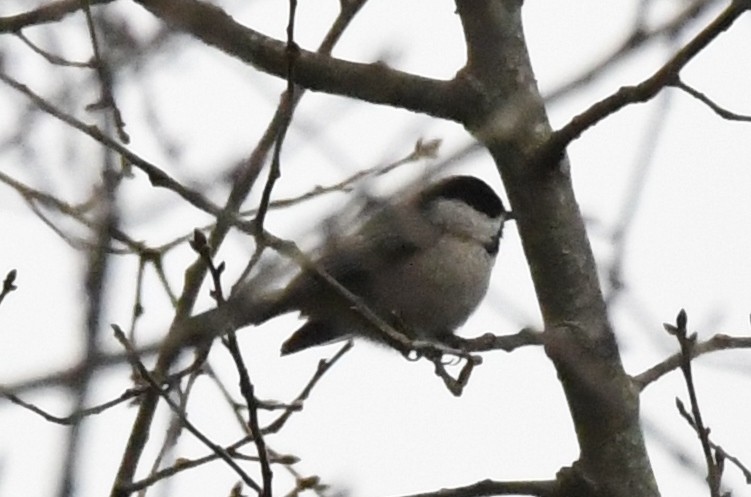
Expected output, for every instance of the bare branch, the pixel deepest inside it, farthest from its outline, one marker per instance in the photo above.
(106, 96)
(687, 343)
(106, 215)
(75, 416)
(508, 343)
(146, 375)
(51, 58)
(69, 377)
(720, 111)
(422, 150)
(375, 83)
(183, 464)
(540, 488)
(36, 198)
(45, 14)
(642, 92)
(637, 39)
(716, 343)
(246, 386)
(194, 275)
(157, 176)
(324, 365)
(286, 108)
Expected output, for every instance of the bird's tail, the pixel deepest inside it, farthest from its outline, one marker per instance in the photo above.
(241, 309)
(311, 334)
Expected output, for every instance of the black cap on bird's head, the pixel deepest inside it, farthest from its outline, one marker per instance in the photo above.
(470, 190)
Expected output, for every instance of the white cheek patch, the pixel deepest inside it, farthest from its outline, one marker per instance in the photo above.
(462, 221)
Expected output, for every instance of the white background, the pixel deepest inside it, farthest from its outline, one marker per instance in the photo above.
(377, 424)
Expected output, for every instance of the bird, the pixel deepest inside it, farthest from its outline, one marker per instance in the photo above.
(421, 262)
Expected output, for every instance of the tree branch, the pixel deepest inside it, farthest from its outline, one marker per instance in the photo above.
(148, 377)
(641, 35)
(375, 83)
(194, 275)
(156, 176)
(508, 343)
(513, 125)
(717, 109)
(45, 14)
(714, 344)
(540, 488)
(644, 91)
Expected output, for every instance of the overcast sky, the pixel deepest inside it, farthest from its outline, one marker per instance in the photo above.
(378, 425)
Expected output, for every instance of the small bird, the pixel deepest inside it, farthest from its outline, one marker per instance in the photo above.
(421, 263)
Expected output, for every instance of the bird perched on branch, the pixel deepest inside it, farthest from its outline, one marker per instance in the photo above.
(421, 263)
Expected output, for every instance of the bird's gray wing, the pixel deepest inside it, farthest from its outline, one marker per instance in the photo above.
(390, 237)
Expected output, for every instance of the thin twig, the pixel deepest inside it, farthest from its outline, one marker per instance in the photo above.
(186, 464)
(36, 198)
(324, 365)
(422, 150)
(107, 98)
(52, 58)
(248, 392)
(157, 176)
(286, 109)
(146, 376)
(717, 343)
(194, 275)
(507, 343)
(68, 377)
(716, 108)
(247, 389)
(11, 393)
(551, 152)
(50, 12)
(639, 36)
(687, 343)
(174, 429)
(106, 221)
(76, 416)
(540, 488)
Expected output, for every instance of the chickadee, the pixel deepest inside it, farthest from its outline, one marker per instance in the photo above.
(421, 263)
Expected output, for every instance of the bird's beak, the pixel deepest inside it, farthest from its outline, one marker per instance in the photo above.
(509, 215)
